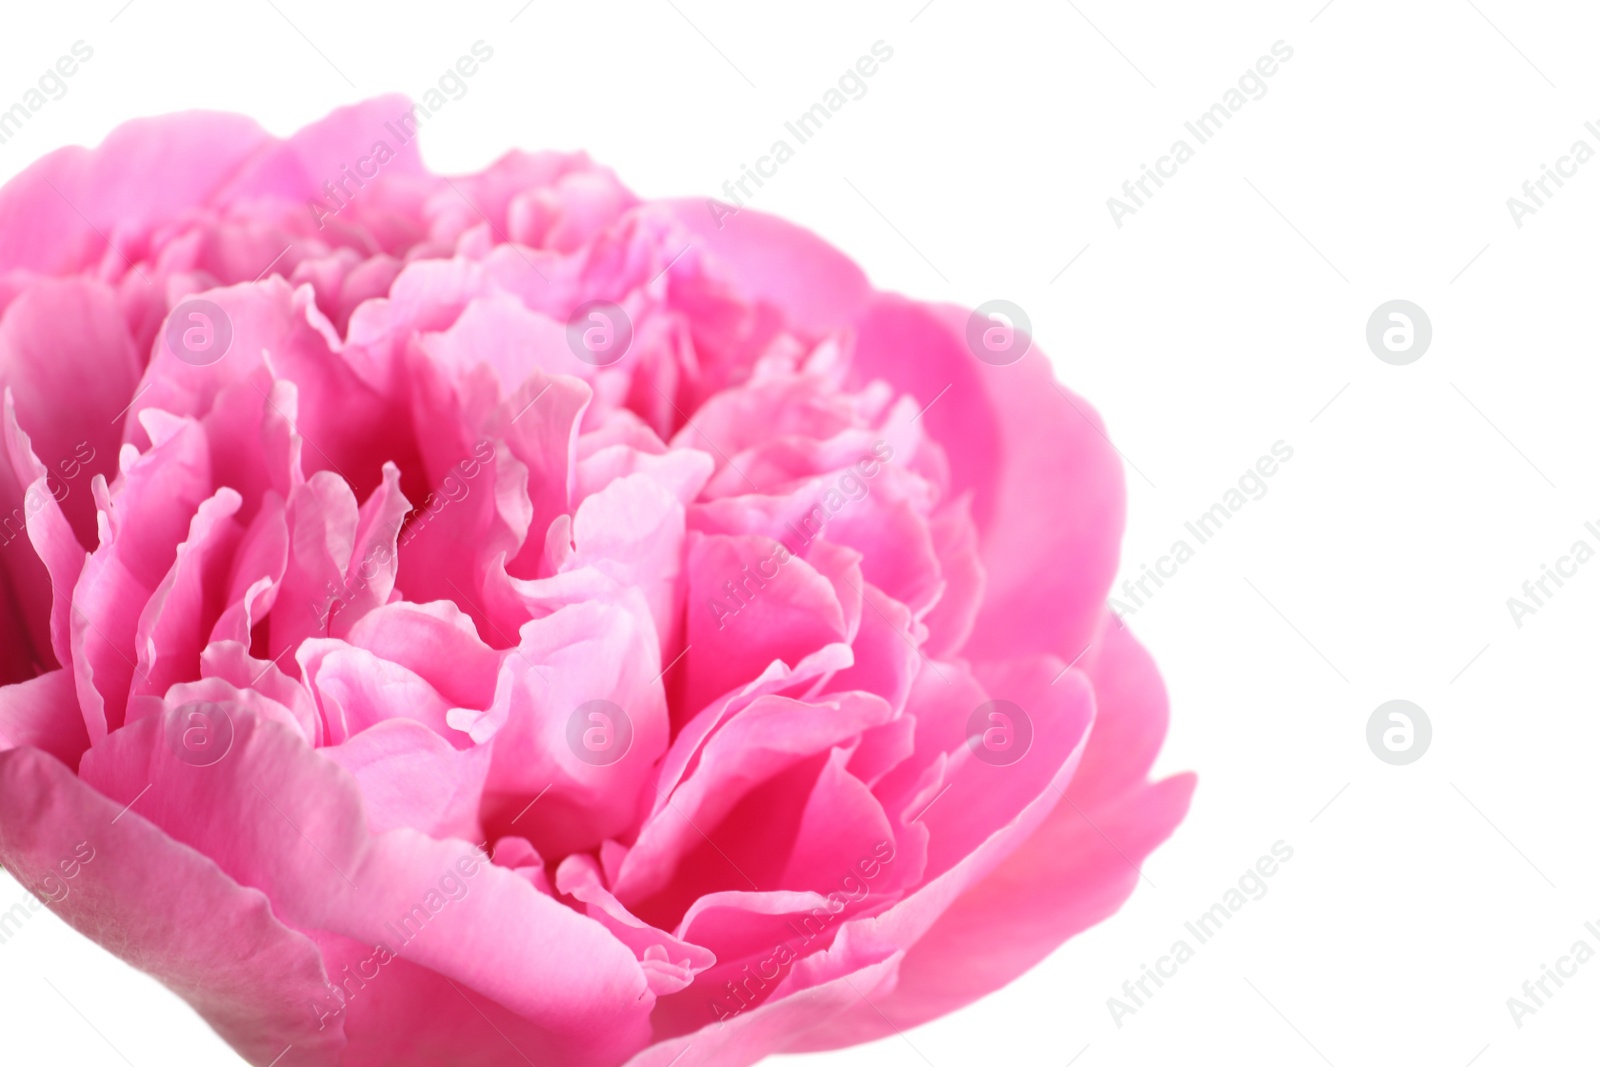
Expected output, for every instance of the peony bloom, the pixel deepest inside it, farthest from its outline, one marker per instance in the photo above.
(494, 619)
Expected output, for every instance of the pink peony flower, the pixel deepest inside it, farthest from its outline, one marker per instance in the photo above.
(495, 619)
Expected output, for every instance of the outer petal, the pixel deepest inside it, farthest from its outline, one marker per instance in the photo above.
(1047, 485)
(780, 263)
(295, 169)
(1133, 724)
(409, 1016)
(1074, 871)
(147, 172)
(281, 817)
(168, 910)
(1065, 879)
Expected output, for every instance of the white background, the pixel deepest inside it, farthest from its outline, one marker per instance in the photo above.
(1227, 314)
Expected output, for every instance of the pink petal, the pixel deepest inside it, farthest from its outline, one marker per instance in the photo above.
(257, 572)
(781, 263)
(562, 665)
(411, 777)
(765, 738)
(145, 517)
(438, 643)
(1074, 871)
(147, 172)
(358, 690)
(750, 602)
(758, 1032)
(1015, 428)
(39, 575)
(369, 578)
(678, 961)
(1010, 430)
(43, 713)
(176, 915)
(296, 169)
(282, 818)
(66, 356)
(176, 620)
(322, 517)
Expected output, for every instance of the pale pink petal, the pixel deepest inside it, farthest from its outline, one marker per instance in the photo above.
(411, 777)
(358, 690)
(586, 668)
(438, 643)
